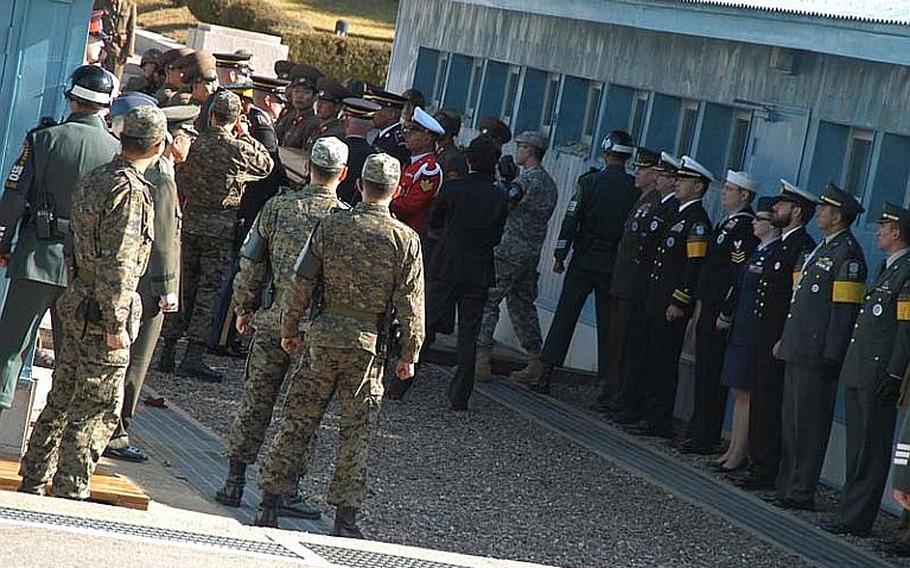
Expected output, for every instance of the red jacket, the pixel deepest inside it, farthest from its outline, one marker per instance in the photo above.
(419, 185)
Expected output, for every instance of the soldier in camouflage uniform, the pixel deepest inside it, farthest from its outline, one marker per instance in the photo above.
(367, 262)
(533, 196)
(211, 183)
(100, 310)
(266, 277)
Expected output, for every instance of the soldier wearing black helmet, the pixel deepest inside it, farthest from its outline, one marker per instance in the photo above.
(41, 183)
(591, 229)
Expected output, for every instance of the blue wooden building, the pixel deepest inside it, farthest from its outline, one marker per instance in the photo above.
(813, 91)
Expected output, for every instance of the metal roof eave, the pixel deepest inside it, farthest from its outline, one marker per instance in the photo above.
(886, 43)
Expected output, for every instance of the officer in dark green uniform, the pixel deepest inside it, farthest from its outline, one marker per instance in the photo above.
(826, 299)
(42, 180)
(592, 228)
(873, 370)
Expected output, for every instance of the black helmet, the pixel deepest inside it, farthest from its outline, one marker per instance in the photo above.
(618, 142)
(91, 84)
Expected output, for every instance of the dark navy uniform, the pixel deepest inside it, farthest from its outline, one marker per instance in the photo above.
(731, 245)
(592, 229)
(874, 367)
(674, 275)
(391, 141)
(358, 151)
(825, 303)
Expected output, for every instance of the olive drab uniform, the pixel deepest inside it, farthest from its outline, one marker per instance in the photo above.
(366, 260)
(826, 300)
(730, 247)
(160, 279)
(878, 353)
(680, 254)
(266, 277)
(771, 304)
(333, 127)
(591, 229)
(297, 130)
(42, 181)
(112, 226)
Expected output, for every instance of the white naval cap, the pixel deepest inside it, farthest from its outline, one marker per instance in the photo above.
(691, 168)
(670, 159)
(793, 193)
(741, 179)
(425, 120)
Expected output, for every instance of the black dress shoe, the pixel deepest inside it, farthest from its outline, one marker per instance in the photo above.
(836, 527)
(129, 453)
(787, 503)
(458, 407)
(752, 482)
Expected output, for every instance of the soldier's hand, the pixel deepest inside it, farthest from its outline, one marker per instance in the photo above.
(168, 303)
(559, 266)
(118, 340)
(721, 324)
(404, 370)
(674, 313)
(244, 325)
(291, 345)
(902, 498)
(776, 350)
(4, 259)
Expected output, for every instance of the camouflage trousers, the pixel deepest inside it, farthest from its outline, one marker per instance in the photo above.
(82, 406)
(266, 367)
(517, 284)
(205, 263)
(356, 375)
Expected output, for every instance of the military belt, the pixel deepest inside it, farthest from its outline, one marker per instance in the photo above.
(354, 313)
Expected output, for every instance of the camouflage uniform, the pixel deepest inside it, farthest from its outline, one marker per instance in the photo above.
(211, 182)
(112, 226)
(120, 23)
(516, 260)
(366, 260)
(285, 224)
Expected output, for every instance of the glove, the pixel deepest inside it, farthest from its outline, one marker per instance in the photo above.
(507, 169)
(889, 391)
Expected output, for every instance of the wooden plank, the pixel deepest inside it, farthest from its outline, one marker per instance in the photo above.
(106, 488)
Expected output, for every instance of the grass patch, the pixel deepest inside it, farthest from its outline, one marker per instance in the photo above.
(161, 16)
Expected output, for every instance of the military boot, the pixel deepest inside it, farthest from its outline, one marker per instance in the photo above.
(531, 372)
(542, 386)
(482, 367)
(193, 365)
(295, 505)
(167, 356)
(232, 492)
(346, 523)
(269, 511)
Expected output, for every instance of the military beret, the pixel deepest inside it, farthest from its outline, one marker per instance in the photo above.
(331, 90)
(150, 56)
(449, 120)
(226, 105)
(182, 117)
(646, 158)
(360, 108)
(741, 180)
(837, 197)
(168, 58)
(146, 122)
(495, 128)
(283, 68)
(385, 98)
(329, 153)
(533, 138)
(892, 213)
(690, 168)
(130, 100)
(381, 169)
(793, 194)
(305, 75)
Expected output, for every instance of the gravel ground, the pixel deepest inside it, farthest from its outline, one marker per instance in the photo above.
(491, 483)
(579, 390)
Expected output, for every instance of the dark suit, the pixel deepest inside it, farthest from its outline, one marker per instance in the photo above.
(825, 302)
(591, 229)
(391, 142)
(358, 151)
(770, 307)
(731, 245)
(674, 275)
(468, 215)
(879, 352)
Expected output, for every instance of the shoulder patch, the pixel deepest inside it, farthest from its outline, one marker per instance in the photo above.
(430, 169)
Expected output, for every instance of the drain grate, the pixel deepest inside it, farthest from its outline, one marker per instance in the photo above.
(362, 559)
(155, 533)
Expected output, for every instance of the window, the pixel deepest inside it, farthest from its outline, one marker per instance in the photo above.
(739, 140)
(859, 154)
(616, 114)
(891, 175)
(442, 71)
(828, 155)
(592, 106)
(426, 69)
(688, 120)
(548, 113)
(511, 93)
(662, 126)
(477, 73)
(492, 89)
(458, 82)
(637, 119)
